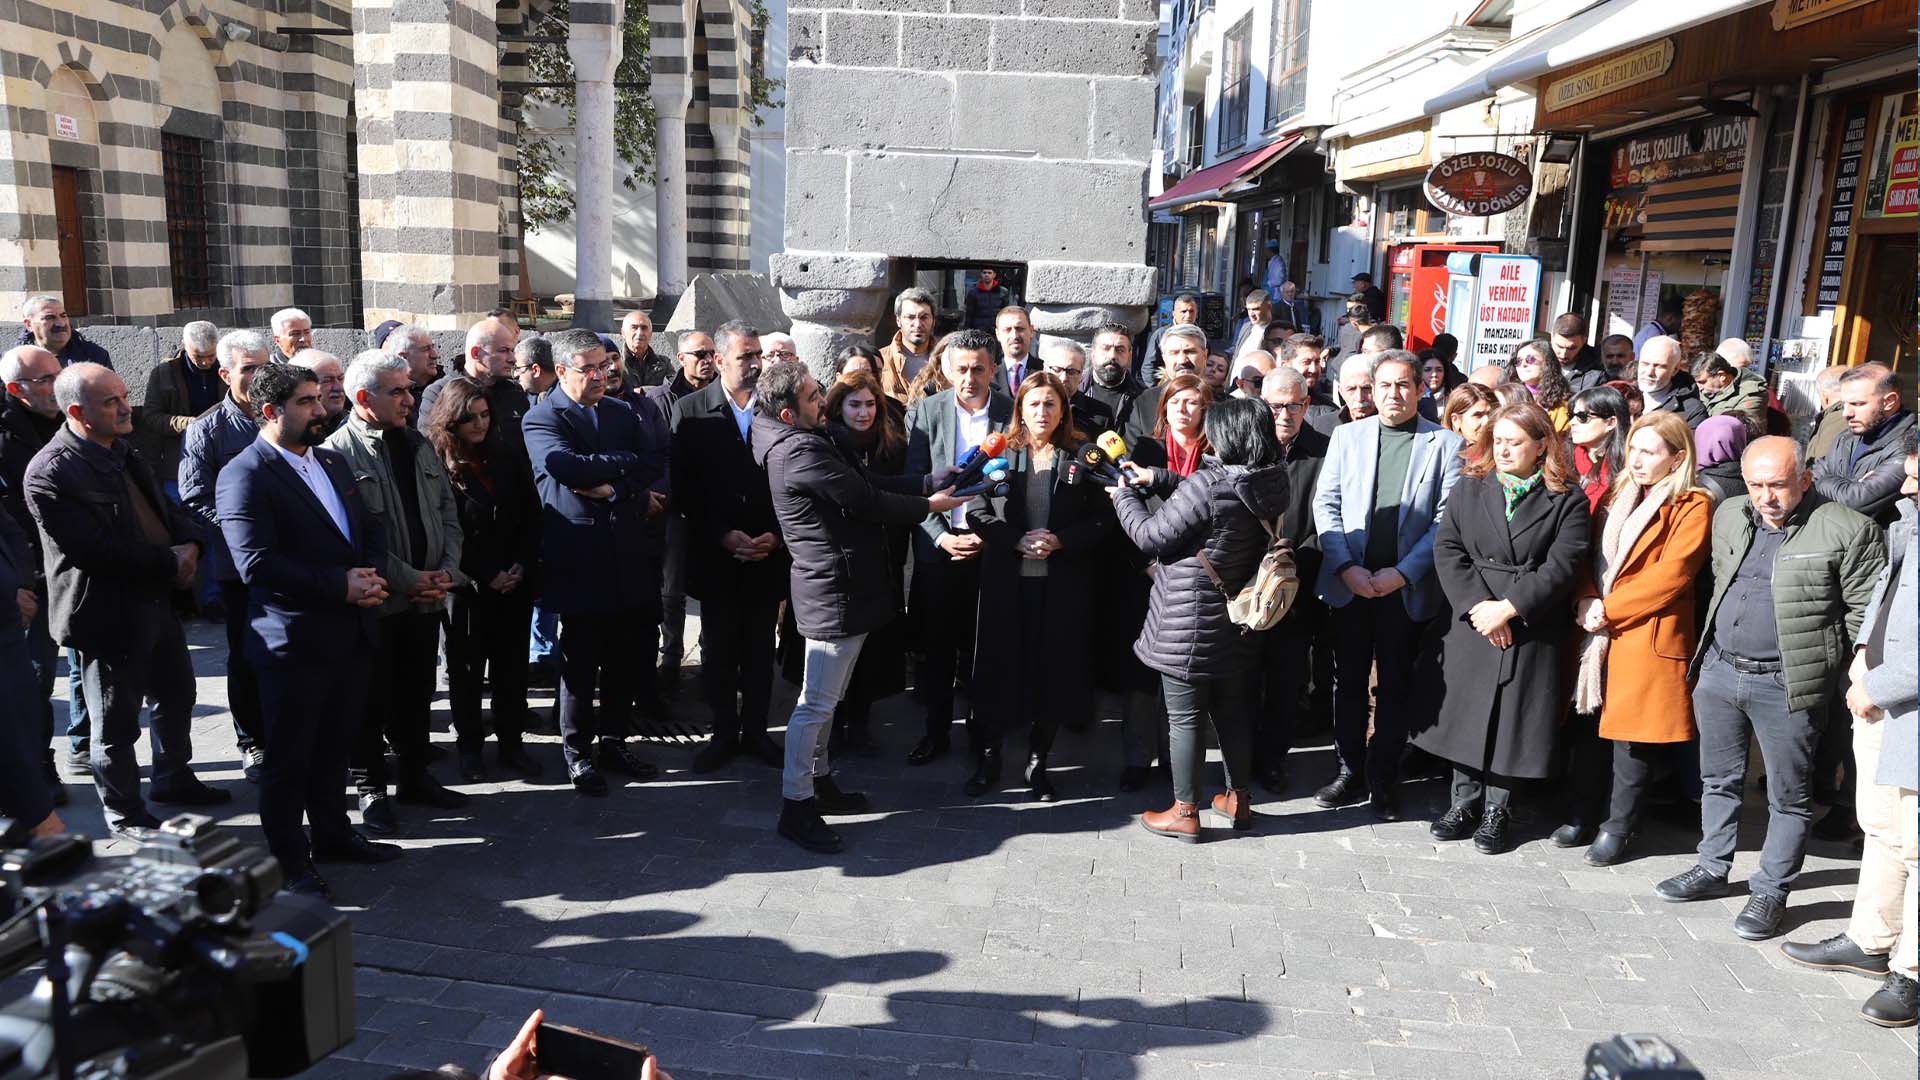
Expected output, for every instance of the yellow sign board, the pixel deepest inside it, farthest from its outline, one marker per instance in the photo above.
(1649, 61)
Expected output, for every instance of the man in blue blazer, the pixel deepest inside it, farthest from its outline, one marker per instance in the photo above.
(1377, 506)
(602, 471)
(307, 549)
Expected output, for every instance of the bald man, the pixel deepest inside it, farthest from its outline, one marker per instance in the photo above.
(1664, 382)
(487, 359)
(1792, 575)
(645, 368)
(117, 552)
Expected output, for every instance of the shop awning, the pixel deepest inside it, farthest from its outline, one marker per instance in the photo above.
(1601, 29)
(1217, 181)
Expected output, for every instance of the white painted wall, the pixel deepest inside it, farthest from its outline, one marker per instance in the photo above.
(550, 265)
(769, 163)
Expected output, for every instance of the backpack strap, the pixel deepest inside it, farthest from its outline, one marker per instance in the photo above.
(1207, 565)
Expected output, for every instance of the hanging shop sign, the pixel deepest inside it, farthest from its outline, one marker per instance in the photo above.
(1648, 62)
(1714, 146)
(1788, 14)
(1479, 185)
(1846, 185)
(1504, 310)
(1893, 184)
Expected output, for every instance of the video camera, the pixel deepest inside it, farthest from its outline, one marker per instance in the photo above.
(181, 960)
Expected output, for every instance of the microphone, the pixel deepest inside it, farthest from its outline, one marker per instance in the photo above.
(1090, 465)
(1115, 447)
(991, 473)
(975, 464)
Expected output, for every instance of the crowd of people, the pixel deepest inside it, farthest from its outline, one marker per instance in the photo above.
(1610, 567)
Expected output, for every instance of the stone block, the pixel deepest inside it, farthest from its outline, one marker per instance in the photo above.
(984, 7)
(828, 270)
(946, 44)
(927, 7)
(712, 299)
(867, 108)
(1081, 48)
(1087, 282)
(1123, 120)
(803, 37)
(1071, 9)
(997, 208)
(1032, 113)
(819, 343)
(840, 307)
(816, 202)
(854, 39)
(1079, 321)
(1140, 10)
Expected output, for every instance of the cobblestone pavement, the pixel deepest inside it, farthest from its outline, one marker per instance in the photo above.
(997, 938)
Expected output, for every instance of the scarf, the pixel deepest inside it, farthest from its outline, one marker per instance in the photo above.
(1632, 511)
(1180, 461)
(1515, 488)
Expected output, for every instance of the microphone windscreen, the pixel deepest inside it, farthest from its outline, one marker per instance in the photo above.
(1092, 456)
(1113, 444)
(998, 463)
(994, 444)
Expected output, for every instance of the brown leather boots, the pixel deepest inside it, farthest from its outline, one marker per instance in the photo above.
(1182, 820)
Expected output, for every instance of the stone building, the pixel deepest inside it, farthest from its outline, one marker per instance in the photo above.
(923, 133)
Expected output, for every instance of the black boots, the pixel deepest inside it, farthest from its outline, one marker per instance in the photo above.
(800, 822)
(829, 799)
(986, 774)
(1037, 778)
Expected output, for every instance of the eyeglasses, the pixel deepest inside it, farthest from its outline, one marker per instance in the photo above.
(700, 354)
(38, 380)
(594, 370)
(1581, 416)
(1276, 408)
(783, 354)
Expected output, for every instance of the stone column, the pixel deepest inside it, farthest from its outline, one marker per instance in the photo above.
(669, 51)
(594, 44)
(426, 95)
(834, 300)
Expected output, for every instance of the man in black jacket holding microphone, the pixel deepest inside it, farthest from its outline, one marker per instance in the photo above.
(833, 515)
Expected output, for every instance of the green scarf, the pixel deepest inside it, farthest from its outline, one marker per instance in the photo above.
(1516, 488)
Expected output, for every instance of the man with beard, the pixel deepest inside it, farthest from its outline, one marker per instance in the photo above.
(912, 345)
(311, 555)
(697, 368)
(736, 563)
(212, 441)
(332, 374)
(1113, 384)
(1014, 331)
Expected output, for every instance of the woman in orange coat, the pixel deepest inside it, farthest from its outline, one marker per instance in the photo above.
(1638, 612)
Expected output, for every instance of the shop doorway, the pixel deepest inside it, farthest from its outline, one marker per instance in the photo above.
(72, 242)
(1881, 305)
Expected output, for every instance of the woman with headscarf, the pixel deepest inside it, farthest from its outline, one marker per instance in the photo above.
(1717, 445)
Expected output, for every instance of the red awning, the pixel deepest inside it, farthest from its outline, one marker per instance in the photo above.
(1214, 180)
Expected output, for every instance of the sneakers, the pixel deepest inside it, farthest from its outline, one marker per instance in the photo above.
(256, 764)
(1891, 1006)
(1761, 918)
(800, 822)
(1457, 823)
(1697, 883)
(1837, 953)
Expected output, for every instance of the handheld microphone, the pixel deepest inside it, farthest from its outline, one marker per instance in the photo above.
(1115, 447)
(990, 473)
(975, 464)
(1091, 465)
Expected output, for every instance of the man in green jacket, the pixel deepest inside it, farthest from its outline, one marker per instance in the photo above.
(1792, 576)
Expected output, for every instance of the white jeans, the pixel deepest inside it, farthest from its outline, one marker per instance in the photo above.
(1883, 904)
(823, 682)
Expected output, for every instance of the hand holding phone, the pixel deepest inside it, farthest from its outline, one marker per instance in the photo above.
(544, 1051)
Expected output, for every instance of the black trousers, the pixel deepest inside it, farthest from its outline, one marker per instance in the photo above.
(154, 665)
(24, 795)
(591, 657)
(1223, 702)
(736, 665)
(311, 715)
(673, 594)
(399, 696)
(243, 695)
(486, 641)
(1471, 785)
(44, 656)
(1279, 692)
(1609, 780)
(1020, 697)
(949, 595)
(1371, 633)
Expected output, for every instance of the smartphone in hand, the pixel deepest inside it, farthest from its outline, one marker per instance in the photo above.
(585, 1055)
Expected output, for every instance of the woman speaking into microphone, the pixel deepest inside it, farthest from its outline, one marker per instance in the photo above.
(1212, 519)
(1032, 656)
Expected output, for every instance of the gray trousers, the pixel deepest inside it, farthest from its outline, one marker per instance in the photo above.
(823, 682)
(155, 666)
(1732, 709)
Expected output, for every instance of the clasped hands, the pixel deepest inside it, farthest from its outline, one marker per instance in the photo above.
(746, 548)
(1372, 584)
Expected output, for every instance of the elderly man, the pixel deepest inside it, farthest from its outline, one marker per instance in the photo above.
(1792, 574)
(44, 323)
(912, 345)
(1355, 390)
(178, 390)
(1186, 312)
(1881, 701)
(28, 419)
(117, 551)
(1279, 691)
(1014, 332)
(406, 488)
(1377, 506)
(213, 440)
(292, 332)
(601, 475)
(1661, 360)
(332, 380)
(645, 367)
(778, 348)
(736, 563)
(1863, 470)
(1183, 351)
(1064, 359)
(1831, 421)
(488, 360)
(1616, 358)
(415, 345)
(1294, 313)
(311, 554)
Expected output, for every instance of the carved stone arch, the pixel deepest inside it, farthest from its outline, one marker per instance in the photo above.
(81, 61)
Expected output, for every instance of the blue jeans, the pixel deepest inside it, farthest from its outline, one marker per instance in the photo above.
(823, 682)
(545, 636)
(1732, 709)
(79, 730)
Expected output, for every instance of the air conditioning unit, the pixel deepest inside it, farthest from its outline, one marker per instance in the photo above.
(1178, 170)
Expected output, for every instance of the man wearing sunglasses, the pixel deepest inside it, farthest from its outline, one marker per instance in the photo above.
(1280, 679)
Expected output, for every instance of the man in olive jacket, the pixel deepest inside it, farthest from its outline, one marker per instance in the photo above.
(404, 486)
(833, 515)
(1792, 575)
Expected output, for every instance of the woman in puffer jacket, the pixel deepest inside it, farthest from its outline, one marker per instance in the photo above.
(1211, 518)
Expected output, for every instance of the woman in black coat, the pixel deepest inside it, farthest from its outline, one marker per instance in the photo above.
(1032, 656)
(1213, 519)
(500, 553)
(859, 418)
(1506, 554)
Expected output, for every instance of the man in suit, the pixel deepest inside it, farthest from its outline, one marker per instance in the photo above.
(1377, 506)
(941, 430)
(1294, 313)
(697, 368)
(405, 485)
(1014, 331)
(311, 557)
(1280, 681)
(117, 554)
(602, 474)
(211, 441)
(736, 563)
(25, 794)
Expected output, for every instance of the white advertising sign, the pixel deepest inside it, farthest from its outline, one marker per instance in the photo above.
(1504, 310)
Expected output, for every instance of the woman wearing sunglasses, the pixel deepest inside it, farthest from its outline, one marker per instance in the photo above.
(1597, 426)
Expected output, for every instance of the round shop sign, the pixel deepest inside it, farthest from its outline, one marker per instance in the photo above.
(1479, 185)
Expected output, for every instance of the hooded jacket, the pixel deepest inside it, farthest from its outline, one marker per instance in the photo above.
(1218, 510)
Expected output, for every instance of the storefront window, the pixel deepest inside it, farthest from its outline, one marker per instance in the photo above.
(1893, 178)
(1410, 214)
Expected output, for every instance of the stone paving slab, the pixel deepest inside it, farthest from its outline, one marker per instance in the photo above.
(999, 938)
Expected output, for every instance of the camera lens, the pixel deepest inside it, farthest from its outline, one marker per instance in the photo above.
(215, 894)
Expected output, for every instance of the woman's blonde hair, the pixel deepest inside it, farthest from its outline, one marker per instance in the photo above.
(932, 378)
(1679, 438)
